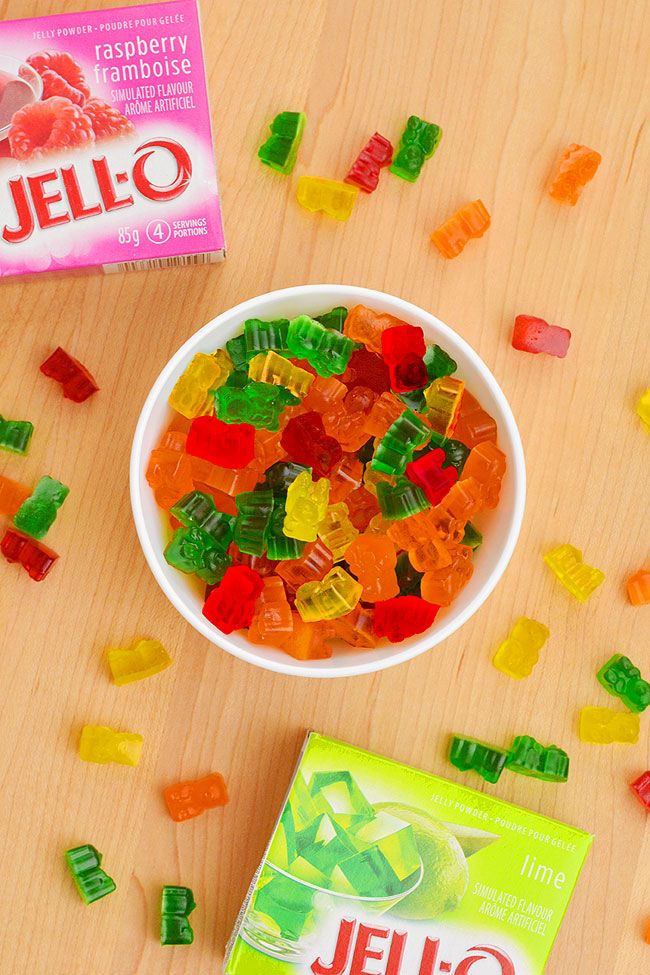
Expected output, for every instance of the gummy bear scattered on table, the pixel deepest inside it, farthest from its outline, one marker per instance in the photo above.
(602, 726)
(641, 789)
(37, 513)
(185, 800)
(580, 579)
(577, 167)
(176, 905)
(528, 757)
(535, 335)
(36, 559)
(326, 196)
(142, 659)
(643, 409)
(280, 150)
(12, 495)
(468, 223)
(638, 587)
(622, 679)
(418, 143)
(519, 653)
(468, 754)
(366, 168)
(84, 864)
(15, 435)
(103, 745)
(78, 384)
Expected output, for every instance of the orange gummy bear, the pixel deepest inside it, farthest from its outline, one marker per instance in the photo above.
(308, 641)
(356, 629)
(487, 465)
(314, 564)
(372, 559)
(185, 800)
(473, 424)
(638, 588)
(443, 585)
(12, 495)
(577, 167)
(470, 221)
(365, 325)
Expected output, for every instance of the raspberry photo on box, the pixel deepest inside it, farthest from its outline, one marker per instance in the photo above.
(106, 153)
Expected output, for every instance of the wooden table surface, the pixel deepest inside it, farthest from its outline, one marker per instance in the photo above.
(511, 82)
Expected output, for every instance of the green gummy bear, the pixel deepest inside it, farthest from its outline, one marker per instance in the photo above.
(37, 513)
(408, 578)
(192, 550)
(472, 537)
(254, 510)
(15, 435)
(176, 904)
(395, 449)
(327, 351)
(198, 510)
(528, 757)
(281, 475)
(261, 336)
(259, 404)
(92, 883)
(280, 150)
(467, 754)
(236, 349)
(439, 363)
(334, 318)
(622, 679)
(280, 546)
(400, 501)
(419, 141)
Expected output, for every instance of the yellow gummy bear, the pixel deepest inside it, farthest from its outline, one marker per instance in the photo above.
(269, 367)
(575, 575)
(306, 506)
(190, 395)
(643, 409)
(326, 196)
(602, 726)
(517, 655)
(104, 745)
(336, 530)
(326, 599)
(143, 659)
(443, 398)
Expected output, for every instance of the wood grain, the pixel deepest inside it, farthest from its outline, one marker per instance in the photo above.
(511, 82)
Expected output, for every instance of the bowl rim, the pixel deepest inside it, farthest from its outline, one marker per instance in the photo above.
(291, 666)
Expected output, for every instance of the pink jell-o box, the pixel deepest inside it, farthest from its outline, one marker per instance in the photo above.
(106, 155)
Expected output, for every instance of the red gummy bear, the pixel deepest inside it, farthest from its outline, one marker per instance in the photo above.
(366, 368)
(535, 335)
(366, 168)
(35, 558)
(641, 789)
(231, 605)
(306, 442)
(402, 617)
(77, 382)
(429, 474)
(230, 445)
(402, 349)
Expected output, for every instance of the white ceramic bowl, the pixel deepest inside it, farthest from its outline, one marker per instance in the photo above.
(500, 527)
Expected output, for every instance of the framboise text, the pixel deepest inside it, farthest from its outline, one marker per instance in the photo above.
(359, 944)
(54, 197)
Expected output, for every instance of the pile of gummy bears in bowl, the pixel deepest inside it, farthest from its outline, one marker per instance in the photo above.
(321, 477)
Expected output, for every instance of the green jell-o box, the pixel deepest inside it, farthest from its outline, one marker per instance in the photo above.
(377, 867)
